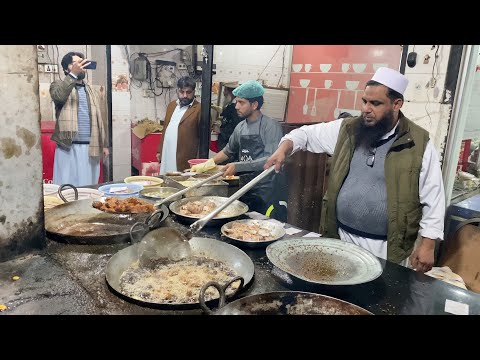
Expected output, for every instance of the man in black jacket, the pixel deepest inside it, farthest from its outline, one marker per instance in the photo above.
(230, 118)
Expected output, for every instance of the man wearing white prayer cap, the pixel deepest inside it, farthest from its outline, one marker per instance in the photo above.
(385, 185)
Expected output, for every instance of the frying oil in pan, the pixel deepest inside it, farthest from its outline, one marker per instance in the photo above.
(98, 225)
(176, 282)
(84, 229)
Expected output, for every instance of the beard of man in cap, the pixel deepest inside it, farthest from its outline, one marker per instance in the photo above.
(380, 109)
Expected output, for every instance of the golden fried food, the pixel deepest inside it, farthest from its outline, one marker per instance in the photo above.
(130, 205)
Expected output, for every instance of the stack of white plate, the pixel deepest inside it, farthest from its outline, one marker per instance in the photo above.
(50, 189)
(83, 194)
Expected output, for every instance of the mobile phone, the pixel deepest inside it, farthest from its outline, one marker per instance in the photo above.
(91, 66)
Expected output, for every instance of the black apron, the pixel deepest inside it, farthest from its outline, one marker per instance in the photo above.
(251, 148)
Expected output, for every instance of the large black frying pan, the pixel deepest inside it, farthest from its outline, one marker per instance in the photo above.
(78, 222)
(230, 255)
(283, 303)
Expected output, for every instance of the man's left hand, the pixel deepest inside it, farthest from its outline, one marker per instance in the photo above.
(106, 152)
(423, 256)
(229, 169)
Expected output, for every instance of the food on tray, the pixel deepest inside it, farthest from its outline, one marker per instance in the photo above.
(145, 182)
(129, 205)
(120, 190)
(198, 208)
(193, 181)
(51, 201)
(202, 208)
(176, 282)
(201, 167)
(161, 194)
(249, 232)
(188, 183)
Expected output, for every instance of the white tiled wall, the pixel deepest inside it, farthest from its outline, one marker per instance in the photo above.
(233, 63)
(472, 126)
(154, 108)
(247, 62)
(121, 118)
(421, 105)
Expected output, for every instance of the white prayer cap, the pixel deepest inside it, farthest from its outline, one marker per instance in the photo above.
(391, 78)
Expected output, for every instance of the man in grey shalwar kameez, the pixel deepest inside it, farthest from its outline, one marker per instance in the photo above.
(79, 130)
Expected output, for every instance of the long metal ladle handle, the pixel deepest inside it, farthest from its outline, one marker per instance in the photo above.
(181, 192)
(199, 224)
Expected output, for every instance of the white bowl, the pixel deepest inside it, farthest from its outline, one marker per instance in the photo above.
(359, 68)
(308, 67)
(351, 85)
(345, 67)
(325, 67)
(50, 189)
(121, 189)
(297, 67)
(83, 194)
(145, 181)
(304, 82)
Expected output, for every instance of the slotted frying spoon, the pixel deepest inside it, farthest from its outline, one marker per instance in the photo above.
(170, 244)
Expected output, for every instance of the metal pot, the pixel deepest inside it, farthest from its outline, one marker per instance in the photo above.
(233, 257)
(158, 193)
(78, 222)
(284, 303)
(237, 207)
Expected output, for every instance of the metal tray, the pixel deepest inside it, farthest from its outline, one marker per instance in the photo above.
(324, 261)
(276, 230)
(214, 188)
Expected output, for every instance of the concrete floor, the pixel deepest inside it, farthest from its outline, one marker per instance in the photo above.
(43, 288)
(65, 279)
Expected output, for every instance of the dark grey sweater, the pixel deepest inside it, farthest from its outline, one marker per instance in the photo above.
(362, 200)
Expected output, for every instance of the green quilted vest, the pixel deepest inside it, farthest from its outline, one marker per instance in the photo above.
(402, 171)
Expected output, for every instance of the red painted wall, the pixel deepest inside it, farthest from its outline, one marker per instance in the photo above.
(329, 84)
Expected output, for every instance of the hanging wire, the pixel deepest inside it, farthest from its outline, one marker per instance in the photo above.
(269, 61)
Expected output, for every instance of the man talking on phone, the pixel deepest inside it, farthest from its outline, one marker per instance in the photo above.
(80, 132)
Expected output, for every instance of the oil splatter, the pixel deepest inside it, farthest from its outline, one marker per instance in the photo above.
(27, 136)
(10, 148)
(2, 219)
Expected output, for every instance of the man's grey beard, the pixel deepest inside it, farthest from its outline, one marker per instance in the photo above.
(368, 136)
